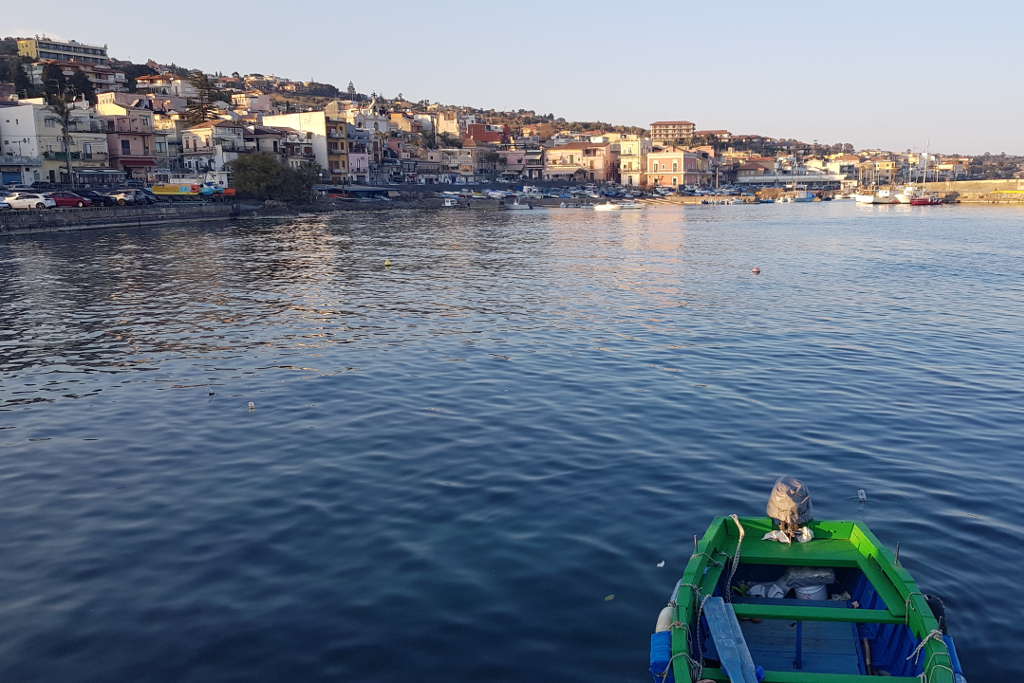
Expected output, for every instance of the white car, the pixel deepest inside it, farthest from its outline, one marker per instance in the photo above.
(29, 200)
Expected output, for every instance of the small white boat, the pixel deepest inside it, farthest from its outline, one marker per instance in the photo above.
(607, 206)
(451, 203)
(516, 206)
(879, 197)
(630, 205)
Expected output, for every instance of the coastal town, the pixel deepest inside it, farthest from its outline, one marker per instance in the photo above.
(72, 116)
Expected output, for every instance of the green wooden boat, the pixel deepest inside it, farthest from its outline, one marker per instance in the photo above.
(869, 620)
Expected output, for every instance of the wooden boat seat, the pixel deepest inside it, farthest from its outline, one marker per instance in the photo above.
(829, 552)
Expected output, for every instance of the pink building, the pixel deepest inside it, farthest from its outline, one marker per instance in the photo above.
(581, 161)
(675, 167)
(130, 140)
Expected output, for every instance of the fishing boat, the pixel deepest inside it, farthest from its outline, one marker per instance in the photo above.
(926, 200)
(787, 599)
(607, 206)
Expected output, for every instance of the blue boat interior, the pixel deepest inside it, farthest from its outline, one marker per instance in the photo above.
(832, 647)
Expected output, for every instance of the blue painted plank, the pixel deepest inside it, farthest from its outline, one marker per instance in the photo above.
(729, 641)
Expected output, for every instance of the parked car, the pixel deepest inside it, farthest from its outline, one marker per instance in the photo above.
(68, 199)
(29, 200)
(130, 196)
(97, 198)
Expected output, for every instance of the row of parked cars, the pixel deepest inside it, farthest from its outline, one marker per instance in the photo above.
(31, 198)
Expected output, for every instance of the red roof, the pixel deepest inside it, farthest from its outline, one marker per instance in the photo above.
(579, 145)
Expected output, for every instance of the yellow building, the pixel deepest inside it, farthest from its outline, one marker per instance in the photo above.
(63, 51)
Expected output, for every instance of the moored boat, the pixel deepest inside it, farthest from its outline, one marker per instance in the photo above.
(878, 197)
(786, 599)
(630, 205)
(516, 206)
(926, 200)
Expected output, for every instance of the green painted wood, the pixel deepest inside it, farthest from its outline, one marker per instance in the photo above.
(808, 677)
(817, 553)
(799, 613)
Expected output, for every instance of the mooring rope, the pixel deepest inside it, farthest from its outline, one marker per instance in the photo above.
(934, 634)
(735, 557)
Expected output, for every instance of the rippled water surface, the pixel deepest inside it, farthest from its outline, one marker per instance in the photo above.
(453, 461)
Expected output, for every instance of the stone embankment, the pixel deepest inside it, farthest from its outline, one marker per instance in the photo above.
(981, 191)
(51, 220)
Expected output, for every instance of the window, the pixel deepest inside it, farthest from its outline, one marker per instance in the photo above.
(675, 166)
(126, 147)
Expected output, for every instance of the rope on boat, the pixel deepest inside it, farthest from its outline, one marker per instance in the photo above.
(710, 557)
(924, 676)
(735, 558)
(668, 667)
(934, 634)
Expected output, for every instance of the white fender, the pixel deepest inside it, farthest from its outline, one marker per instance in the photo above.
(665, 618)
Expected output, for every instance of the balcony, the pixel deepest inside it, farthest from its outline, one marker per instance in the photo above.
(18, 160)
(75, 156)
(126, 126)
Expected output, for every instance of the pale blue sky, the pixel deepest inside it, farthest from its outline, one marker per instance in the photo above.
(895, 75)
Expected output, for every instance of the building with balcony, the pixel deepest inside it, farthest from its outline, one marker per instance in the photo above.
(677, 167)
(33, 148)
(210, 146)
(329, 140)
(166, 84)
(581, 161)
(633, 151)
(101, 76)
(668, 132)
(252, 102)
(67, 51)
(130, 139)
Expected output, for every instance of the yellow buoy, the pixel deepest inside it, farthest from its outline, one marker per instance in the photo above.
(387, 263)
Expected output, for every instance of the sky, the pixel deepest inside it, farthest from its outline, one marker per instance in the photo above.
(914, 75)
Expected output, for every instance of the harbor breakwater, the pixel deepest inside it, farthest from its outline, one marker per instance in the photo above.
(48, 220)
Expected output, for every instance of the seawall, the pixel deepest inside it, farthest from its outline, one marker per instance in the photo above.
(14, 222)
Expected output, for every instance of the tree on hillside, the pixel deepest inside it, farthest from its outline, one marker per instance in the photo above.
(54, 82)
(16, 74)
(449, 140)
(200, 107)
(81, 86)
(8, 46)
(261, 175)
(133, 71)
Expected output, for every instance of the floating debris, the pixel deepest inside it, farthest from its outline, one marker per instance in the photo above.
(252, 405)
(609, 597)
(862, 495)
(661, 564)
(755, 270)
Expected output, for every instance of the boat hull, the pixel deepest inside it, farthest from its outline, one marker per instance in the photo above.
(873, 617)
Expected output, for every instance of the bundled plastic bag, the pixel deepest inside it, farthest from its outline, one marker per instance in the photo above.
(790, 506)
(806, 577)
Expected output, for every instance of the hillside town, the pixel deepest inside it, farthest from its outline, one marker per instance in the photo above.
(71, 115)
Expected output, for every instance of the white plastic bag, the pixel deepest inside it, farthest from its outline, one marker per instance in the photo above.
(802, 536)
